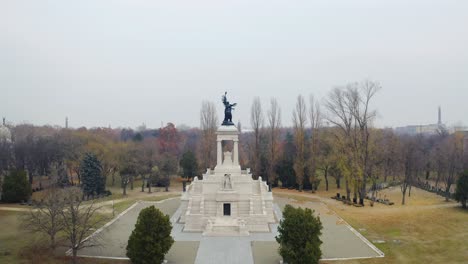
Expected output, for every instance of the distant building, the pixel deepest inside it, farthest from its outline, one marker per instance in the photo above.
(431, 129)
(5, 134)
(454, 129)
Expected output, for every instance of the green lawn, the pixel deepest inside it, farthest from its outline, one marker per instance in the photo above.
(425, 230)
(19, 246)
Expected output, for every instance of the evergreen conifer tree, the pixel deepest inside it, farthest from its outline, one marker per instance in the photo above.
(16, 187)
(461, 194)
(151, 239)
(92, 181)
(299, 236)
(189, 164)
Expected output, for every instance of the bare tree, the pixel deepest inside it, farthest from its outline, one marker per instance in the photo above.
(315, 117)
(410, 163)
(389, 151)
(340, 116)
(128, 165)
(45, 218)
(274, 124)
(256, 121)
(79, 221)
(208, 126)
(452, 149)
(360, 97)
(349, 110)
(299, 122)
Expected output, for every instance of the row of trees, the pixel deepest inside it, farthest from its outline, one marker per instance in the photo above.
(332, 138)
(92, 158)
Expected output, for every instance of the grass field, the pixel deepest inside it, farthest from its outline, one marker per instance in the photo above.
(19, 246)
(425, 230)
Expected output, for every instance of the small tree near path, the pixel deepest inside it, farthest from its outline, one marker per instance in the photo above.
(299, 236)
(46, 217)
(461, 194)
(79, 221)
(168, 166)
(151, 239)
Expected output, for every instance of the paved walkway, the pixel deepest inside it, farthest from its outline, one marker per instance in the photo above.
(340, 241)
(226, 250)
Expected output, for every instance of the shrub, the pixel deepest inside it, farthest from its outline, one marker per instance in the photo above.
(299, 236)
(151, 239)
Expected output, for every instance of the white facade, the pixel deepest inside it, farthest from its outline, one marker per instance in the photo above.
(227, 201)
(5, 134)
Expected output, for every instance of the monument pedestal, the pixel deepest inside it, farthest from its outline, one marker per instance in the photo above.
(227, 202)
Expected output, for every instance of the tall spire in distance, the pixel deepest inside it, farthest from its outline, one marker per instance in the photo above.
(4, 124)
(66, 122)
(439, 122)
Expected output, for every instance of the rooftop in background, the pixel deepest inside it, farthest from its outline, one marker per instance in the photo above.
(430, 129)
(5, 134)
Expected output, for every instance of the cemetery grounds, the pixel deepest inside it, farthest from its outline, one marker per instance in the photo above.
(425, 230)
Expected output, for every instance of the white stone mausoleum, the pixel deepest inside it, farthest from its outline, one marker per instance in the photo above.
(227, 202)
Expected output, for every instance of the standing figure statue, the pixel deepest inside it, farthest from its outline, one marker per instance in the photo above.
(227, 111)
(227, 182)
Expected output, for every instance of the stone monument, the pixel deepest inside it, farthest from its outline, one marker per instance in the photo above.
(227, 201)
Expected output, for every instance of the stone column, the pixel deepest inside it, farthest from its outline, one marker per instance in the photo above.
(219, 159)
(236, 152)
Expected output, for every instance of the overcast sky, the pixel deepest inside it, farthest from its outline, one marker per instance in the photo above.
(128, 62)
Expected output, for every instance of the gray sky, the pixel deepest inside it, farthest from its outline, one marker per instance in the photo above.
(132, 61)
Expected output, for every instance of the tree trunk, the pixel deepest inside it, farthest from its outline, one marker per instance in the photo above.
(355, 195)
(52, 242)
(149, 185)
(131, 183)
(348, 191)
(409, 191)
(363, 192)
(374, 191)
(71, 178)
(125, 189)
(79, 177)
(447, 193)
(75, 252)
(404, 194)
(113, 179)
(463, 202)
(142, 184)
(326, 180)
(167, 183)
(338, 183)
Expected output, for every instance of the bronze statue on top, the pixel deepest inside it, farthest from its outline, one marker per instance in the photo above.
(227, 111)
